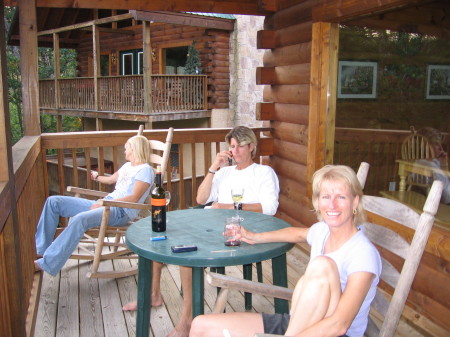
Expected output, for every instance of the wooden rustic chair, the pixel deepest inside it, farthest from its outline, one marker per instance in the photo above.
(381, 213)
(415, 147)
(101, 237)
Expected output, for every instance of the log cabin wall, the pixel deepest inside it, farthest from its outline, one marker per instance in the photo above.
(213, 46)
(287, 38)
(300, 65)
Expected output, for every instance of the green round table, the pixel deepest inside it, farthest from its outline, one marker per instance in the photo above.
(202, 227)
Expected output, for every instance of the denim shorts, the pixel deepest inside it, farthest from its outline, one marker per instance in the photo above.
(277, 324)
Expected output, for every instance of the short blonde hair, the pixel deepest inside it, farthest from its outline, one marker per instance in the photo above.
(141, 148)
(434, 136)
(243, 136)
(344, 174)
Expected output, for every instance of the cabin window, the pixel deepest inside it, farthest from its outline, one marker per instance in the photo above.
(104, 65)
(140, 62)
(126, 60)
(175, 60)
(132, 62)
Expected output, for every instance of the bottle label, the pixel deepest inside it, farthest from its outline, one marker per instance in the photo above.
(158, 202)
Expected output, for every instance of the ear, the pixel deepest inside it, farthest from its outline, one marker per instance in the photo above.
(251, 147)
(356, 202)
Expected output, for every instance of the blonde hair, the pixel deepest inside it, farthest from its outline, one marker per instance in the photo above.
(347, 176)
(141, 148)
(434, 136)
(243, 136)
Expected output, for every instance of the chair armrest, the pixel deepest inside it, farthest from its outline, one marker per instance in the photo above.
(229, 282)
(123, 204)
(85, 191)
(266, 335)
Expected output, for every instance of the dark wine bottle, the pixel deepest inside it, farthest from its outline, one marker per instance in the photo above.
(158, 204)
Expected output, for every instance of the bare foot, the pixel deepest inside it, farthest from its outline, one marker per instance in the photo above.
(181, 330)
(157, 301)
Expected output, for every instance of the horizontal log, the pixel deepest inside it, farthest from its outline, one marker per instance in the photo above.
(290, 94)
(215, 56)
(290, 151)
(270, 39)
(293, 35)
(293, 190)
(219, 75)
(217, 69)
(218, 81)
(290, 113)
(289, 169)
(294, 133)
(291, 74)
(265, 146)
(218, 87)
(218, 63)
(302, 212)
(290, 220)
(290, 15)
(265, 39)
(217, 44)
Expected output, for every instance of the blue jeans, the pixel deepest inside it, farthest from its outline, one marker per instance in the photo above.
(56, 253)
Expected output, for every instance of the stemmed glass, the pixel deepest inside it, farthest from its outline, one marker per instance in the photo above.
(237, 193)
(168, 196)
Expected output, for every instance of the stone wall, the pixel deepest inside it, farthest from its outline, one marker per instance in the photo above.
(244, 58)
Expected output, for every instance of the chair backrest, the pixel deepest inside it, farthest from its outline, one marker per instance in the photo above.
(160, 151)
(416, 147)
(381, 214)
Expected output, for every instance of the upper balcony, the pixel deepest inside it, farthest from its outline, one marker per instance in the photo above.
(125, 97)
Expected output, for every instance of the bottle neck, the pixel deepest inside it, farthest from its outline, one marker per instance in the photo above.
(158, 179)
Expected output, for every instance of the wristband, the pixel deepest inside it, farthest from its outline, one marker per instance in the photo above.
(212, 171)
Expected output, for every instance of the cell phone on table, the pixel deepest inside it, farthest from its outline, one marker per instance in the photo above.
(183, 248)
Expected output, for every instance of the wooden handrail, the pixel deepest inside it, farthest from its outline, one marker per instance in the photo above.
(83, 152)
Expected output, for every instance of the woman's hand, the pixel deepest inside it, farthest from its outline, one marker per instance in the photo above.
(94, 175)
(246, 235)
(94, 206)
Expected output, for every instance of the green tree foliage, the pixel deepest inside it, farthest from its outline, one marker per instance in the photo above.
(193, 65)
(68, 61)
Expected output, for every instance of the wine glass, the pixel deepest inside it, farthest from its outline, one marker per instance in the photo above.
(237, 193)
(168, 196)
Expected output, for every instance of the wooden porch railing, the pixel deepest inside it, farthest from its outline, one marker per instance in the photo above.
(170, 93)
(79, 153)
(380, 148)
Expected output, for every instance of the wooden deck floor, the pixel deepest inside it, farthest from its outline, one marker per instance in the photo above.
(72, 305)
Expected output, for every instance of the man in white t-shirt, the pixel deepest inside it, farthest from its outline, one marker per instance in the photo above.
(259, 182)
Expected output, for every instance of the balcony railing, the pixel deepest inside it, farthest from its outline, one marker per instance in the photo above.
(169, 93)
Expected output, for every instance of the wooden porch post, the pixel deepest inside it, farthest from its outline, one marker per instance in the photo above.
(96, 59)
(29, 67)
(13, 299)
(57, 72)
(322, 113)
(147, 76)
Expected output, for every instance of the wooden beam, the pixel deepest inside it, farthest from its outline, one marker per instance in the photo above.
(322, 110)
(292, 74)
(86, 24)
(341, 11)
(29, 67)
(111, 30)
(147, 47)
(249, 7)
(185, 19)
